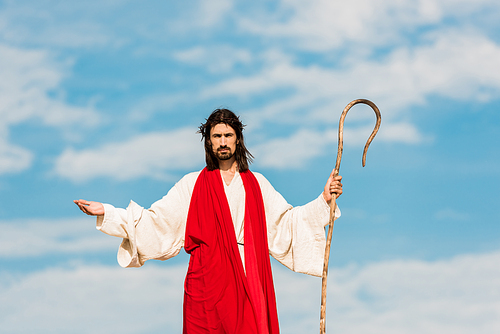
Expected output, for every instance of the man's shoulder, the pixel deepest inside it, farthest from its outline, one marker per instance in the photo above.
(192, 175)
(257, 174)
(188, 181)
(261, 179)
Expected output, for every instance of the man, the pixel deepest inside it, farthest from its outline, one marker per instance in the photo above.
(229, 220)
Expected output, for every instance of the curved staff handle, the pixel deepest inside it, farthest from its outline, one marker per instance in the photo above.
(333, 204)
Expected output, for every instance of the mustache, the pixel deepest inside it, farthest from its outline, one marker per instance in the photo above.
(220, 148)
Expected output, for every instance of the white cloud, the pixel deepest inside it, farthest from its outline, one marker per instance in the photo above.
(452, 64)
(297, 150)
(392, 132)
(458, 295)
(216, 59)
(13, 158)
(56, 24)
(455, 64)
(29, 77)
(277, 72)
(154, 104)
(292, 152)
(38, 238)
(322, 25)
(149, 155)
(108, 24)
(449, 214)
(90, 299)
(210, 14)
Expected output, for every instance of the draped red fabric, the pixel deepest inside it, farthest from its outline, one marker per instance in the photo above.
(218, 297)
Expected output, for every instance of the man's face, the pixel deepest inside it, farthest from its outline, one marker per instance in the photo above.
(223, 140)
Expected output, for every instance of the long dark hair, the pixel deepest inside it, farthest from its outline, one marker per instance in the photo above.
(225, 116)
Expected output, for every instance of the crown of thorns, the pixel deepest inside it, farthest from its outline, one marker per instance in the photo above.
(218, 117)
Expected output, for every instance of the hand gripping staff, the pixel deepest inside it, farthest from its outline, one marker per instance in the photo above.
(333, 204)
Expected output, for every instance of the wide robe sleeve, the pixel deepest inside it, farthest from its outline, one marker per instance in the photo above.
(296, 235)
(154, 233)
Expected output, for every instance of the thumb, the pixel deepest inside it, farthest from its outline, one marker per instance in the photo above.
(82, 202)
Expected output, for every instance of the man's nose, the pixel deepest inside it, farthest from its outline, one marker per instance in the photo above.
(223, 141)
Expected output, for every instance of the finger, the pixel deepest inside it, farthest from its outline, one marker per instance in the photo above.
(83, 208)
(335, 184)
(332, 175)
(334, 187)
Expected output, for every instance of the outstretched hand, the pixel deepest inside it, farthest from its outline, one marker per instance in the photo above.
(90, 208)
(333, 187)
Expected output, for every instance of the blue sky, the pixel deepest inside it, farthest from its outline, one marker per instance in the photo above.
(101, 100)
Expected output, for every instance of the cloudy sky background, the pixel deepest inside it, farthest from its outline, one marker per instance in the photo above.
(101, 100)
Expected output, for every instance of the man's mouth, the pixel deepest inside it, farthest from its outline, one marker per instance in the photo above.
(224, 153)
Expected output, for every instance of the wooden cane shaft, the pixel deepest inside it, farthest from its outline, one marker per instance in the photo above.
(333, 203)
(333, 208)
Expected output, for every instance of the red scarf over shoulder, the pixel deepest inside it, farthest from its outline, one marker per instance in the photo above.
(218, 297)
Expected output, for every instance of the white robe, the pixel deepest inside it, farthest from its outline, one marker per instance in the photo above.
(296, 236)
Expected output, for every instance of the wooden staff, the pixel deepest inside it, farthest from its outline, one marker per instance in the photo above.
(333, 204)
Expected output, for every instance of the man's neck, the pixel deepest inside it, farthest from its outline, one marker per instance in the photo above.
(229, 165)
(228, 169)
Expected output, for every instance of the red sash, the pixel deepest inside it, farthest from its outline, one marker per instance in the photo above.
(218, 296)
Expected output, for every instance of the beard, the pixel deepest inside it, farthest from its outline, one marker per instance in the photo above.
(223, 155)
